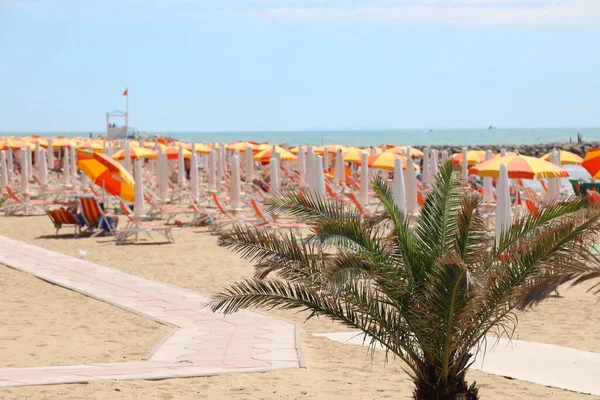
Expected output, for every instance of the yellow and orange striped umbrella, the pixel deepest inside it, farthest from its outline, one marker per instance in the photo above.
(591, 162)
(241, 146)
(95, 146)
(106, 173)
(523, 167)
(566, 157)
(400, 149)
(135, 153)
(331, 149)
(200, 148)
(19, 144)
(353, 154)
(63, 142)
(473, 157)
(265, 155)
(172, 152)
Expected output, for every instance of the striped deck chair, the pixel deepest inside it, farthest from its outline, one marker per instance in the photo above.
(62, 216)
(93, 216)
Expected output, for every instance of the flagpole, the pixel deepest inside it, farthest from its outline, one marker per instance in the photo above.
(127, 113)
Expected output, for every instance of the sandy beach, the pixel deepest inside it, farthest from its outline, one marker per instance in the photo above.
(195, 262)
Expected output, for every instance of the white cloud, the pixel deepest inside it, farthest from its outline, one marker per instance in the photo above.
(481, 12)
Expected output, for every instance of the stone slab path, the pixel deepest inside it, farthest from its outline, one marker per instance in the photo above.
(544, 364)
(202, 343)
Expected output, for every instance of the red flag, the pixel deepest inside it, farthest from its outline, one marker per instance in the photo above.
(125, 92)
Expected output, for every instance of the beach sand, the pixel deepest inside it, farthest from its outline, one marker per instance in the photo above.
(335, 371)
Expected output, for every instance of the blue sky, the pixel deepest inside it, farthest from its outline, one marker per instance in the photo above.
(295, 65)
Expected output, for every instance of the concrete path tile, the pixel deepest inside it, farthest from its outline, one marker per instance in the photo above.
(204, 344)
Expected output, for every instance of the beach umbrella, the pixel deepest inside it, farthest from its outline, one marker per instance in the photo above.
(73, 162)
(181, 168)
(9, 162)
(24, 172)
(194, 174)
(425, 171)
(473, 157)
(302, 166)
(249, 165)
(67, 168)
(172, 153)
(43, 168)
(434, 162)
(364, 180)
(91, 145)
(518, 166)
(107, 174)
(488, 184)
(199, 148)
(274, 182)
(326, 157)
(139, 210)
(265, 155)
(404, 150)
(163, 176)
(385, 161)
(503, 217)
(50, 155)
(37, 154)
(410, 188)
(62, 142)
(29, 153)
(444, 156)
(235, 190)
(241, 146)
(464, 165)
(340, 171)
(319, 177)
(126, 158)
(19, 144)
(310, 163)
(84, 182)
(591, 162)
(135, 153)
(554, 184)
(212, 171)
(398, 186)
(3, 171)
(503, 153)
(330, 148)
(353, 155)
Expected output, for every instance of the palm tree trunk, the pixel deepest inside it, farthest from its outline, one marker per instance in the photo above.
(453, 390)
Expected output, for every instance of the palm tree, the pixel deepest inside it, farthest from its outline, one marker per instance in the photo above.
(429, 294)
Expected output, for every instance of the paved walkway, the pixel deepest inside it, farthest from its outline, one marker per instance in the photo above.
(202, 344)
(544, 364)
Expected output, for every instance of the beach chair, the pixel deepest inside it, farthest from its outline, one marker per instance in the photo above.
(226, 218)
(14, 204)
(268, 221)
(134, 228)
(61, 216)
(171, 211)
(94, 216)
(359, 206)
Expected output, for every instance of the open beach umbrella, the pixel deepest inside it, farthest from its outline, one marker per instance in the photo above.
(364, 180)
(19, 144)
(384, 161)
(591, 162)
(518, 166)
(488, 183)
(410, 188)
(566, 157)
(265, 155)
(135, 153)
(329, 148)
(473, 157)
(352, 155)
(93, 145)
(398, 186)
(200, 148)
(241, 146)
(194, 173)
(503, 217)
(139, 210)
(172, 153)
(404, 150)
(62, 142)
(274, 182)
(107, 174)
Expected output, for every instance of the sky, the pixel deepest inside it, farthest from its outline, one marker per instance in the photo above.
(215, 65)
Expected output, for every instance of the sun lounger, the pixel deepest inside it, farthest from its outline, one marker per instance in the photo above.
(134, 228)
(15, 204)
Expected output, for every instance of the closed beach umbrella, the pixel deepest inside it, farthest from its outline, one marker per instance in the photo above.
(138, 204)
(24, 172)
(43, 169)
(398, 186)
(107, 174)
(554, 184)
(502, 152)
(181, 168)
(488, 183)
(340, 171)
(249, 165)
(163, 177)
(37, 155)
(364, 180)
(518, 166)
(319, 177)
(503, 217)
(444, 156)
(50, 155)
(212, 171)
(66, 168)
(434, 162)
(194, 174)
(222, 163)
(326, 158)
(3, 171)
(274, 182)
(235, 190)
(9, 162)
(410, 188)
(464, 165)
(73, 162)
(302, 165)
(425, 172)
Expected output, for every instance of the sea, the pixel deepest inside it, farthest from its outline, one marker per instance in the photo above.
(362, 138)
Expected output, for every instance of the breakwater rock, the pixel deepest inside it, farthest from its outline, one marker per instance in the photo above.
(534, 150)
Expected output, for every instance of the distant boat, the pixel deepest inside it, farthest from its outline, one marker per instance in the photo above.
(491, 127)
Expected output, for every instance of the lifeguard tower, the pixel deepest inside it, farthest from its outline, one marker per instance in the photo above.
(114, 130)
